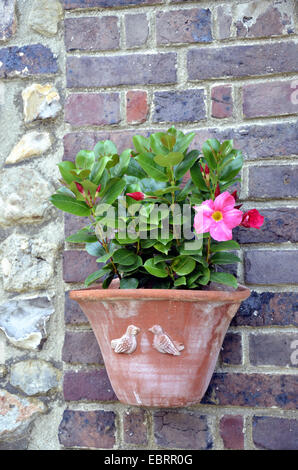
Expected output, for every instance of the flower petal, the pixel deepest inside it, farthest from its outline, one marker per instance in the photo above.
(224, 202)
(232, 218)
(220, 232)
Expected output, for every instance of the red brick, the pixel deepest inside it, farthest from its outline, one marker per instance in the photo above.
(253, 390)
(133, 69)
(241, 61)
(275, 349)
(136, 29)
(77, 265)
(270, 19)
(231, 351)
(81, 347)
(181, 429)
(183, 26)
(135, 426)
(179, 106)
(72, 4)
(91, 385)
(231, 432)
(96, 109)
(268, 308)
(271, 267)
(280, 225)
(137, 106)
(273, 181)
(269, 99)
(26, 61)
(94, 429)
(275, 433)
(92, 34)
(8, 20)
(73, 313)
(222, 101)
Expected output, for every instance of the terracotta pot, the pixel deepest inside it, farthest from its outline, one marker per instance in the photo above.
(168, 369)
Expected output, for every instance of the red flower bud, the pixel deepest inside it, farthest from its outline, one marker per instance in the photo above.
(80, 188)
(252, 219)
(217, 191)
(137, 196)
(235, 195)
(98, 189)
(206, 169)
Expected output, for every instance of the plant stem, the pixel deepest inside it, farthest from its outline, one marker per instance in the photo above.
(208, 249)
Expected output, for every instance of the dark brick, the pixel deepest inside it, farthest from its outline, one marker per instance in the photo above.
(26, 61)
(272, 19)
(134, 69)
(136, 29)
(97, 109)
(241, 61)
(179, 26)
(268, 308)
(222, 101)
(181, 429)
(276, 349)
(269, 99)
(88, 429)
(254, 390)
(273, 181)
(77, 265)
(73, 312)
(8, 20)
(15, 444)
(73, 223)
(280, 225)
(275, 433)
(81, 347)
(135, 426)
(231, 432)
(71, 4)
(92, 34)
(136, 106)
(231, 351)
(179, 106)
(271, 267)
(224, 21)
(91, 385)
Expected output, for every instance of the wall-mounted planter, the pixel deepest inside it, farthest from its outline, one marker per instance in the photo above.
(160, 347)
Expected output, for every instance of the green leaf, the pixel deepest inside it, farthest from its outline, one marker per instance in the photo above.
(141, 143)
(223, 246)
(85, 159)
(185, 191)
(162, 248)
(105, 148)
(64, 168)
(158, 270)
(224, 278)
(156, 143)
(169, 160)
(226, 147)
(135, 170)
(146, 161)
(121, 167)
(104, 258)
(108, 280)
(82, 236)
(183, 265)
(225, 258)
(183, 141)
(209, 153)
(70, 205)
(197, 178)
(127, 269)
(98, 169)
(114, 190)
(169, 189)
(233, 168)
(168, 141)
(124, 257)
(205, 277)
(181, 281)
(186, 164)
(94, 249)
(129, 283)
(94, 277)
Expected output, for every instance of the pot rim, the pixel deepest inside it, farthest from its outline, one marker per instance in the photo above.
(93, 294)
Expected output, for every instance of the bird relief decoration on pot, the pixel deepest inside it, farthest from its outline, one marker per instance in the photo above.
(162, 342)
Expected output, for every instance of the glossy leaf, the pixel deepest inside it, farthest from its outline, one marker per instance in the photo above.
(224, 278)
(70, 205)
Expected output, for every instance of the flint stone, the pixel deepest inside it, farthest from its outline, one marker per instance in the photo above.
(23, 203)
(45, 16)
(24, 321)
(31, 144)
(34, 376)
(16, 413)
(8, 21)
(27, 263)
(40, 102)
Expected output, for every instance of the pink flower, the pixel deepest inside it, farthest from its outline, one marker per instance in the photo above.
(218, 217)
(137, 196)
(252, 219)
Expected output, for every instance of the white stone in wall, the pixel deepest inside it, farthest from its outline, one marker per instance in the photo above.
(45, 16)
(34, 376)
(17, 413)
(24, 196)
(24, 321)
(40, 102)
(32, 144)
(26, 263)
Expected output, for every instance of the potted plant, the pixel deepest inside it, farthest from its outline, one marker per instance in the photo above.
(164, 304)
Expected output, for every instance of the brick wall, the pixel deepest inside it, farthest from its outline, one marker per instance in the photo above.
(226, 69)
